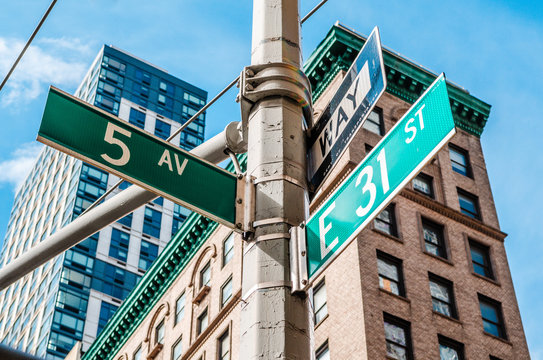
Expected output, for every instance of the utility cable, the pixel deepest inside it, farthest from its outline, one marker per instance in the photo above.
(194, 117)
(28, 43)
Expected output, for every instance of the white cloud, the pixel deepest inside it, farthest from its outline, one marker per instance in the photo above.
(60, 61)
(15, 169)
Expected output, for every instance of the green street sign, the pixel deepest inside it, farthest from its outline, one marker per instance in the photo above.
(101, 139)
(399, 156)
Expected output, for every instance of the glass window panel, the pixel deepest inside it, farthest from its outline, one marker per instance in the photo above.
(177, 350)
(447, 353)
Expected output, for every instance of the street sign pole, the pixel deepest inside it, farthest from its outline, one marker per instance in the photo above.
(275, 324)
(400, 155)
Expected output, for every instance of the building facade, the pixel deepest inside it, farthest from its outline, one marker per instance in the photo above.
(428, 279)
(71, 297)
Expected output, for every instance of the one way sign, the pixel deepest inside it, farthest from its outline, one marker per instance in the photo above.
(362, 86)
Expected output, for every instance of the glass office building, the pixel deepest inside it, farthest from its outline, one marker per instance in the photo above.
(71, 297)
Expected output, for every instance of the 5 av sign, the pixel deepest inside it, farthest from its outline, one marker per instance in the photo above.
(398, 157)
(99, 138)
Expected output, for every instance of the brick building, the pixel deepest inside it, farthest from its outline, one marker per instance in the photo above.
(428, 279)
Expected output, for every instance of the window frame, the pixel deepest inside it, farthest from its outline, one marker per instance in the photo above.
(223, 300)
(485, 249)
(392, 260)
(175, 344)
(450, 292)
(220, 341)
(391, 209)
(465, 153)
(442, 238)
(452, 344)
(474, 198)
(322, 349)
(406, 327)
(160, 327)
(177, 320)
(230, 251)
(205, 268)
(203, 314)
(430, 181)
(502, 333)
(381, 124)
(320, 286)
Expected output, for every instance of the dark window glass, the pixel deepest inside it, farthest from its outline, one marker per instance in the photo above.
(159, 333)
(118, 247)
(491, 313)
(442, 294)
(112, 280)
(137, 118)
(148, 253)
(469, 204)
(202, 322)
(480, 259)
(124, 185)
(390, 273)
(424, 184)
(319, 302)
(397, 336)
(459, 160)
(386, 221)
(450, 349)
(224, 346)
(106, 312)
(162, 129)
(151, 222)
(434, 241)
(205, 275)
(374, 122)
(228, 249)
(179, 215)
(159, 201)
(226, 292)
(180, 308)
(323, 352)
(58, 343)
(126, 221)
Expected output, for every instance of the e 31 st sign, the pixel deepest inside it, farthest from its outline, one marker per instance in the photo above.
(398, 157)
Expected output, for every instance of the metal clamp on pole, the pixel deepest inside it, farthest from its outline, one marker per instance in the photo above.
(273, 79)
(298, 259)
(245, 205)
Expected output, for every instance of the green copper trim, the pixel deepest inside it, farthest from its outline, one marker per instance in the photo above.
(405, 79)
(195, 230)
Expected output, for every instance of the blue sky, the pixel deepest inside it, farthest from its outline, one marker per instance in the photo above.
(491, 48)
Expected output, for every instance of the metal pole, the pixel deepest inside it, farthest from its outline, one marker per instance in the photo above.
(274, 323)
(13, 354)
(106, 213)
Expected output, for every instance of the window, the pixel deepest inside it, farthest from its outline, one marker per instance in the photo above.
(442, 294)
(148, 253)
(205, 275)
(137, 118)
(434, 241)
(386, 221)
(177, 350)
(224, 346)
(374, 122)
(459, 160)
(450, 349)
(491, 313)
(227, 249)
(118, 247)
(202, 322)
(390, 273)
(161, 99)
(423, 184)
(323, 353)
(180, 308)
(469, 205)
(163, 86)
(159, 333)
(159, 201)
(151, 222)
(137, 354)
(397, 336)
(480, 259)
(126, 221)
(162, 129)
(106, 312)
(319, 302)
(226, 291)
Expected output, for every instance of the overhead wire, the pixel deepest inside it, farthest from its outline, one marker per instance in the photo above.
(29, 41)
(194, 117)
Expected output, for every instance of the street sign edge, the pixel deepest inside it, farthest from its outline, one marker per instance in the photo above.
(375, 29)
(189, 206)
(390, 196)
(93, 108)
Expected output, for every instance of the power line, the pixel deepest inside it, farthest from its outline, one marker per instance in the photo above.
(194, 117)
(28, 43)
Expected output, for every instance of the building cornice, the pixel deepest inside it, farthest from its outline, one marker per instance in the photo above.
(405, 79)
